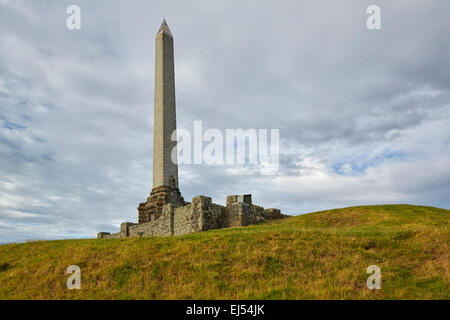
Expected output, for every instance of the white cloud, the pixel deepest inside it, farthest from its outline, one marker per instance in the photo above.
(361, 119)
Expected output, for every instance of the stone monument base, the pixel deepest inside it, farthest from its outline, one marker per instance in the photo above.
(200, 215)
(152, 208)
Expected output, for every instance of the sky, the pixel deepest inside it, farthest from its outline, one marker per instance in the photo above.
(363, 114)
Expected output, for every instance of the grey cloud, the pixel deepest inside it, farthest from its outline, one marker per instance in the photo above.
(76, 106)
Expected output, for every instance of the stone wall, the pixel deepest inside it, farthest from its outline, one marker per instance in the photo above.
(161, 227)
(187, 219)
(200, 215)
(107, 235)
(213, 216)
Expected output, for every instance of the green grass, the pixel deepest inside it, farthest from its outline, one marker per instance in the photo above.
(321, 255)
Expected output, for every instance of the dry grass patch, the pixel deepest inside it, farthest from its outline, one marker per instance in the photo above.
(322, 255)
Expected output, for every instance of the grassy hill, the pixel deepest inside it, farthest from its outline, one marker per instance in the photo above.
(321, 255)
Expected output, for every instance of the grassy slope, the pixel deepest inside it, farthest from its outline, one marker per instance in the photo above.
(318, 255)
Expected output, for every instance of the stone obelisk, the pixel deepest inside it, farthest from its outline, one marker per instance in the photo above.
(165, 171)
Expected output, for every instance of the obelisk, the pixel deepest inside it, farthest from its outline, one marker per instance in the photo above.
(165, 171)
(165, 114)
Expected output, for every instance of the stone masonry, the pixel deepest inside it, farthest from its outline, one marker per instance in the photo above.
(165, 213)
(200, 215)
(165, 171)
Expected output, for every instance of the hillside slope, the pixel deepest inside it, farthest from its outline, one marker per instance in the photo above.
(321, 255)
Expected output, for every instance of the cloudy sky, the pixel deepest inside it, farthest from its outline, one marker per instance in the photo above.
(364, 116)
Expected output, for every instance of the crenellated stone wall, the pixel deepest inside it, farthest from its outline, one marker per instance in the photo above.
(200, 215)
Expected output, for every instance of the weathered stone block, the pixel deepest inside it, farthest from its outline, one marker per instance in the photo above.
(102, 235)
(246, 198)
(160, 196)
(231, 199)
(124, 227)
